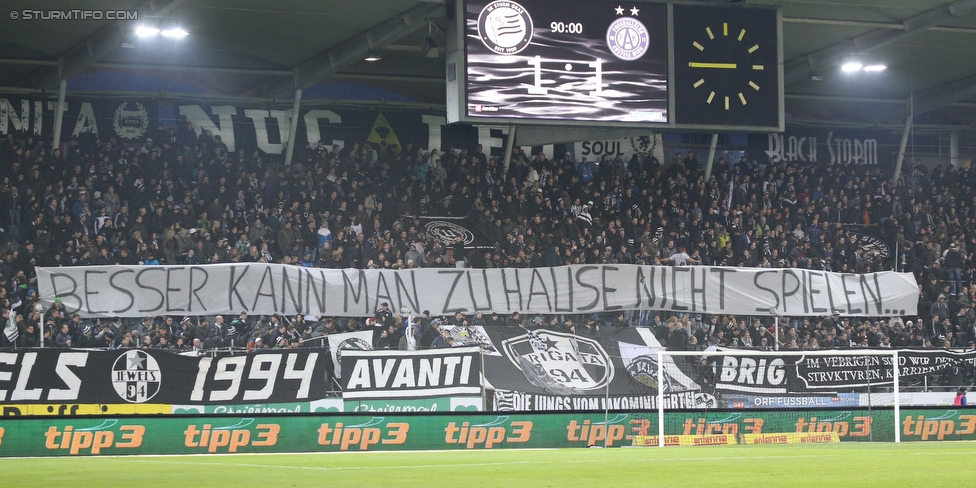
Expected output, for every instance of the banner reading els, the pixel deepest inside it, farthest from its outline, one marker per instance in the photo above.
(136, 376)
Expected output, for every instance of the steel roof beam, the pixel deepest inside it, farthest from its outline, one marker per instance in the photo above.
(940, 96)
(354, 49)
(803, 67)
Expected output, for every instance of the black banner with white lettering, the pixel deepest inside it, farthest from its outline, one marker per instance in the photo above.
(249, 128)
(527, 371)
(264, 127)
(552, 370)
(776, 375)
(872, 239)
(818, 145)
(105, 118)
(411, 374)
(449, 229)
(140, 376)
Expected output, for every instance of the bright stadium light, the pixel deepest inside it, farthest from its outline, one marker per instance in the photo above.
(866, 63)
(146, 31)
(175, 33)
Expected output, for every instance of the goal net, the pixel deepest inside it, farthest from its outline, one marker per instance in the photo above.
(771, 397)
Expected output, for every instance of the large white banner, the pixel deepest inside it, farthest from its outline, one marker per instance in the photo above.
(135, 291)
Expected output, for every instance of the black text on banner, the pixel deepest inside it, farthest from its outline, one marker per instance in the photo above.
(135, 291)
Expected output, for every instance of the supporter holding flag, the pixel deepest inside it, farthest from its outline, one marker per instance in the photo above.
(10, 331)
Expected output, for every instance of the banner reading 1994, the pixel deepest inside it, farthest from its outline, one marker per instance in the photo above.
(137, 291)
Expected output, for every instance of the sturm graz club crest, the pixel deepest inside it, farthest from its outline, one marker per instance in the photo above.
(449, 231)
(643, 370)
(627, 38)
(560, 364)
(354, 344)
(505, 27)
(871, 240)
(131, 124)
(136, 376)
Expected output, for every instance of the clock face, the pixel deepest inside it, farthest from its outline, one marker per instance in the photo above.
(726, 66)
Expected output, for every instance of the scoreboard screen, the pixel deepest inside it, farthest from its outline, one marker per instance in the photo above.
(566, 60)
(616, 64)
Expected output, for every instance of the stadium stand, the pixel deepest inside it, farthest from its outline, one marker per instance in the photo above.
(182, 199)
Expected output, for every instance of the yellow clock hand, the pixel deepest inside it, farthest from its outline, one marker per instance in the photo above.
(712, 65)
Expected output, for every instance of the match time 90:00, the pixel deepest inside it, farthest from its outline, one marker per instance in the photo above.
(566, 27)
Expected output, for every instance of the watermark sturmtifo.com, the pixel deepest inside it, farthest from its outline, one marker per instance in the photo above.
(77, 14)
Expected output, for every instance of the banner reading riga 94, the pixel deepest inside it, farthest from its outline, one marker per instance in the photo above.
(566, 60)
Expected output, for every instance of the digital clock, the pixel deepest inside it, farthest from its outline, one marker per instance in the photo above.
(566, 27)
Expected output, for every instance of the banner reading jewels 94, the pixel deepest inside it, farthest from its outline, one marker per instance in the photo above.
(564, 60)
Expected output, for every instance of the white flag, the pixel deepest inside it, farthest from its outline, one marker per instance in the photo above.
(11, 330)
(361, 341)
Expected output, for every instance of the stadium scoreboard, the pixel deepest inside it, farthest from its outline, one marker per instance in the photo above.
(615, 64)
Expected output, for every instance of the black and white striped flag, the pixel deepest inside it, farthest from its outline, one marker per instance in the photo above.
(11, 331)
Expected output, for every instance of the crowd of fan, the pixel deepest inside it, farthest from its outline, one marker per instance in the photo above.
(181, 198)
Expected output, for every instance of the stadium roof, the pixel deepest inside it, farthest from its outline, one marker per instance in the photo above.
(261, 49)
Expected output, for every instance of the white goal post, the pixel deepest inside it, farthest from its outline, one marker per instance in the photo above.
(782, 372)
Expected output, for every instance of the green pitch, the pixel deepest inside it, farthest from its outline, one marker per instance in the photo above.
(883, 465)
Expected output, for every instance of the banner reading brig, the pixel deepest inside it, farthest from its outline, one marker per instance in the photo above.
(137, 291)
(771, 375)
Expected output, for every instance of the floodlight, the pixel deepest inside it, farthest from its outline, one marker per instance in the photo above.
(146, 31)
(175, 33)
